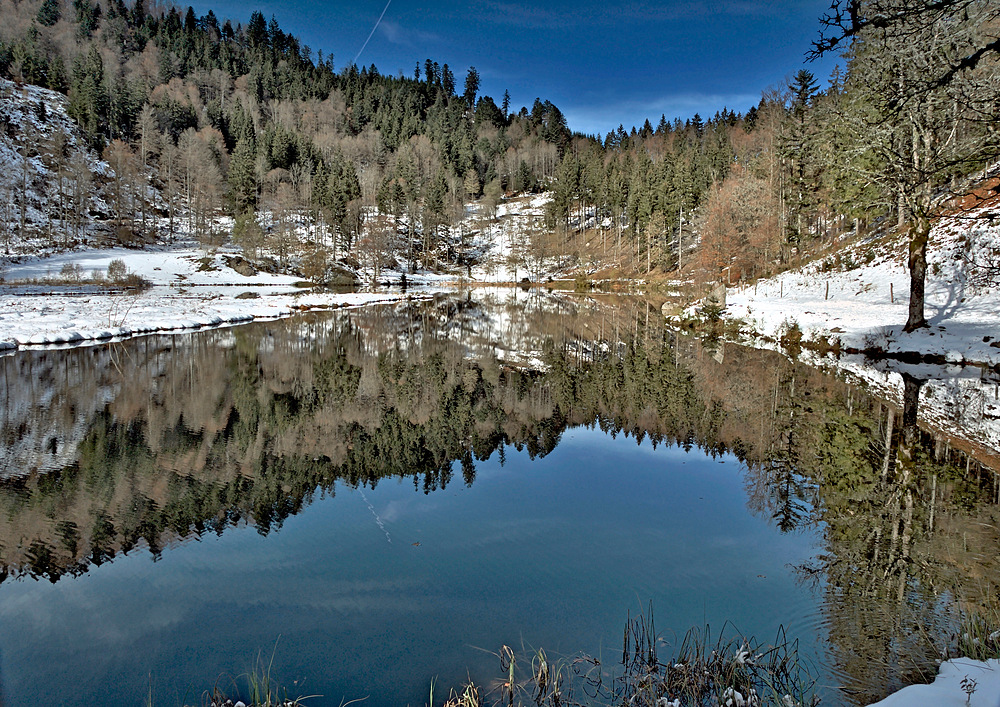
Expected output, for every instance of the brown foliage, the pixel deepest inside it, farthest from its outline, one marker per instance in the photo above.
(740, 227)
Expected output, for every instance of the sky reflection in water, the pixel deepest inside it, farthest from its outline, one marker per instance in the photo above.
(549, 553)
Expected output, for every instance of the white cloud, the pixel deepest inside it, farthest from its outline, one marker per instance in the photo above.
(395, 33)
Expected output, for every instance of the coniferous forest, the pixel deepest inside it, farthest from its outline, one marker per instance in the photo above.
(201, 116)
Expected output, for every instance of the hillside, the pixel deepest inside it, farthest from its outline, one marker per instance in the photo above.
(846, 312)
(857, 295)
(53, 190)
(191, 286)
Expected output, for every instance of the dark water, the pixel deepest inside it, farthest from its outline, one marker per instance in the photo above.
(376, 499)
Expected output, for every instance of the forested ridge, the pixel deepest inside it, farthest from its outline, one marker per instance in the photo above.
(316, 162)
(223, 118)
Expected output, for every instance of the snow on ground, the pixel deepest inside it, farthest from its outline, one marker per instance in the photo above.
(36, 119)
(947, 688)
(191, 289)
(505, 246)
(192, 286)
(195, 287)
(860, 295)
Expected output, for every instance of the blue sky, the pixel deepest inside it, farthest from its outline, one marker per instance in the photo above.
(603, 64)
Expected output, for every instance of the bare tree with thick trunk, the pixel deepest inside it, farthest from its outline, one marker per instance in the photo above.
(909, 132)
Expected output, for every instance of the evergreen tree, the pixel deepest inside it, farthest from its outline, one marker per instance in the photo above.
(242, 177)
(471, 87)
(87, 17)
(471, 184)
(798, 148)
(49, 13)
(88, 97)
(447, 81)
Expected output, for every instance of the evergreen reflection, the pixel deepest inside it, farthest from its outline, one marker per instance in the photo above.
(145, 444)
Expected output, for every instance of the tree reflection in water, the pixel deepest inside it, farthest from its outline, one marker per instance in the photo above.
(149, 442)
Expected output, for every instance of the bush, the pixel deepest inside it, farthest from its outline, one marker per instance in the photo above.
(71, 272)
(117, 272)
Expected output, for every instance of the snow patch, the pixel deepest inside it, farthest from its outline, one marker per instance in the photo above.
(981, 687)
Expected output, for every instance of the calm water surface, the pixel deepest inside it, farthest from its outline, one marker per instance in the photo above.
(387, 496)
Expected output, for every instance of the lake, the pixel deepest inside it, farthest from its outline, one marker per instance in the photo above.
(374, 501)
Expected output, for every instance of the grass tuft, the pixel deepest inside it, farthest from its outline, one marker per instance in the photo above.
(978, 637)
(262, 690)
(728, 669)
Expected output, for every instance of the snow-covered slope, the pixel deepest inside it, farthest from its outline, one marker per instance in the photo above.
(191, 289)
(44, 164)
(194, 286)
(859, 295)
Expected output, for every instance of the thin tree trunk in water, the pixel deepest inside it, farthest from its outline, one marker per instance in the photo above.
(919, 233)
(911, 405)
(888, 461)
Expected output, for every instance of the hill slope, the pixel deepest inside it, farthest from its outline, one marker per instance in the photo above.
(858, 296)
(53, 185)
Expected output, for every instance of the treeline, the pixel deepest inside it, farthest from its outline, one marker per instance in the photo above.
(317, 164)
(900, 128)
(240, 119)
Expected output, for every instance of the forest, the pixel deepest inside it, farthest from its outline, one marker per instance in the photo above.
(200, 118)
(203, 118)
(219, 130)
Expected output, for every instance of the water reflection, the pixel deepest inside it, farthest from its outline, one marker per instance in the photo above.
(152, 442)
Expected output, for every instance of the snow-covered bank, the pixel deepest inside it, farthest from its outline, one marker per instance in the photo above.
(195, 287)
(859, 295)
(960, 682)
(191, 289)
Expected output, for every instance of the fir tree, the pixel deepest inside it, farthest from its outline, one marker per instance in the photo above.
(471, 86)
(49, 13)
(242, 177)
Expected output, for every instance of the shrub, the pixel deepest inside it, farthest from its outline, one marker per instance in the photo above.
(117, 272)
(71, 272)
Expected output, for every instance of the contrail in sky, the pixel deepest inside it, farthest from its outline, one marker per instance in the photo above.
(377, 22)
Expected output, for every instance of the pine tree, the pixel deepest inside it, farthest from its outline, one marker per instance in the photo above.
(471, 184)
(49, 13)
(471, 87)
(88, 97)
(798, 149)
(242, 177)
(447, 81)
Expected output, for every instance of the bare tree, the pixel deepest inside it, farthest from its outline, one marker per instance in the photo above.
(910, 132)
(202, 181)
(124, 166)
(81, 180)
(908, 21)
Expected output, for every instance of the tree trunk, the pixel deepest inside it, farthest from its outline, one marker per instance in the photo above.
(919, 232)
